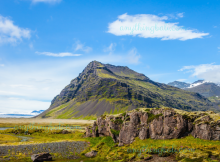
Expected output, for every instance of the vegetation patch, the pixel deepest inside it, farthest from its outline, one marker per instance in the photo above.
(118, 121)
(151, 117)
(115, 132)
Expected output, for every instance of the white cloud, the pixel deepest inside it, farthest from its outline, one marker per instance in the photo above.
(10, 33)
(79, 46)
(151, 26)
(174, 16)
(180, 15)
(63, 54)
(18, 106)
(208, 72)
(28, 87)
(47, 1)
(133, 56)
(11, 93)
(181, 80)
(110, 48)
(2, 65)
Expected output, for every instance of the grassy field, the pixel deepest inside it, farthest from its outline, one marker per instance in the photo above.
(203, 150)
(11, 122)
(188, 149)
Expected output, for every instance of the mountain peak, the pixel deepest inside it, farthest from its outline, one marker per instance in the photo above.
(102, 88)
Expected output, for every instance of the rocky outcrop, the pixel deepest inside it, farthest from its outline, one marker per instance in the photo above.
(164, 123)
(205, 128)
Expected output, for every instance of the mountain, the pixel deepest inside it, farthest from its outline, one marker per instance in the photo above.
(104, 88)
(179, 84)
(37, 112)
(205, 88)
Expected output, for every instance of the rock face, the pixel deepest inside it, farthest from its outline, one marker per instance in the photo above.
(41, 157)
(164, 123)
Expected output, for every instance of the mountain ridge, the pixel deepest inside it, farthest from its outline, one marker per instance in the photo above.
(104, 88)
(205, 88)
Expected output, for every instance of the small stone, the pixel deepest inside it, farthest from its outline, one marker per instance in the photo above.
(148, 157)
(91, 154)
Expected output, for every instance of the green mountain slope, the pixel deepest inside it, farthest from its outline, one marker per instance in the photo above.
(103, 88)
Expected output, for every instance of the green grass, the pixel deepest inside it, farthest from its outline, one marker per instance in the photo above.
(115, 132)
(108, 150)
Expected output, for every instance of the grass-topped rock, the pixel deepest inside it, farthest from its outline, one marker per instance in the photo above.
(156, 123)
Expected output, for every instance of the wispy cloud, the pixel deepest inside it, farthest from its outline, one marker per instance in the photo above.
(110, 48)
(180, 15)
(78, 46)
(10, 33)
(17, 105)
(46, 1)
(174, 16)
(63, 54)
(208, 72)
(2, 65)
(133, 56)
(151, 26)
(22, 86)
(181, 80)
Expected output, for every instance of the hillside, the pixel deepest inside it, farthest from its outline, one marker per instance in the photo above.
(104, 88)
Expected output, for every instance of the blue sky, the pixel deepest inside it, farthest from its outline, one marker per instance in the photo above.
(44, 44)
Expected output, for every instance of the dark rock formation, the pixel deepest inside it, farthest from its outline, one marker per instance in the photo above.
(41, 157)
(164, 123)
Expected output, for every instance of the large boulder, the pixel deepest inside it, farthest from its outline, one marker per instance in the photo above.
(45, 156)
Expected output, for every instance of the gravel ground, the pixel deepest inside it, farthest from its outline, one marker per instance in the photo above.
(64, 149)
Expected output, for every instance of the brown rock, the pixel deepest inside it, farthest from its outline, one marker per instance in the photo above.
(91, 154)
(64, 131)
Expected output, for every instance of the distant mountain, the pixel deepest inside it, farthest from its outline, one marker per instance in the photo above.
(37, 112)
(179, 84)
(205, 88)
(17, 114)
(33, 113)
(104, 88)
